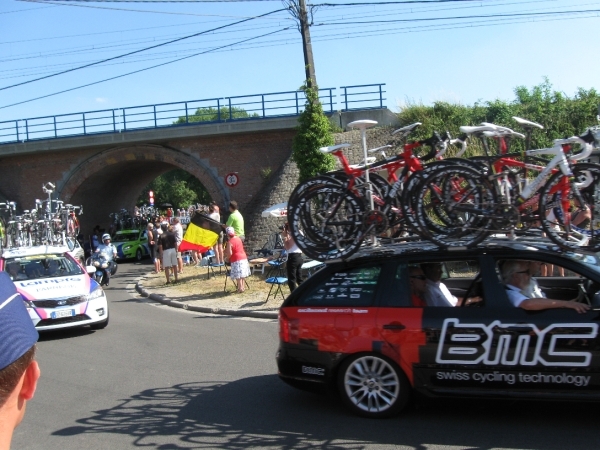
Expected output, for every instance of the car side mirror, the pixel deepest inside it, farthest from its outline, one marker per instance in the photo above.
(90, 269)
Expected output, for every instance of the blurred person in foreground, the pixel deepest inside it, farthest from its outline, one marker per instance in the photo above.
(19, 372)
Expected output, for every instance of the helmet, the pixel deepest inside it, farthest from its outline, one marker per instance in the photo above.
(105, 236)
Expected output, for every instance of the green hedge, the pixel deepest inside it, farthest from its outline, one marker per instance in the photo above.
(561, 115)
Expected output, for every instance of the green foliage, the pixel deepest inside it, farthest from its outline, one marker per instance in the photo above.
(177, 187)
(561, 116)
(314, 132)
(212, 115)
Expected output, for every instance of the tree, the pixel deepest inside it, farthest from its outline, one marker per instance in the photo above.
(212, 115)
(177, 187)
(314, 132)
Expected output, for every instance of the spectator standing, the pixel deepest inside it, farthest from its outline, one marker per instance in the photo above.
(19, 372)
(213, 213)
(168, 244)
(294, 259)
(236, 221)
(234, 250)
(178, 230)
(153, 247)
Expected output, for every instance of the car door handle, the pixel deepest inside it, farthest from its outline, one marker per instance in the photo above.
(394, 326)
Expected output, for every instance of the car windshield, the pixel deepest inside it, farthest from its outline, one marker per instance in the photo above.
(126, 237)
(590, 260)
(41, 266)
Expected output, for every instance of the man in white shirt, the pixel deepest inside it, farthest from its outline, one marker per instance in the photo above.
(178, 231)
(436, 292)
(516, 275)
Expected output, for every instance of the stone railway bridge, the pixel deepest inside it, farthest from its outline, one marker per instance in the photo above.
(107, 172)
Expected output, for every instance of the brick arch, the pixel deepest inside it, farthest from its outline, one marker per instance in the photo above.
(113, 179)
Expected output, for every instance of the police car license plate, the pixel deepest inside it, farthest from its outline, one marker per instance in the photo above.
(62, 313)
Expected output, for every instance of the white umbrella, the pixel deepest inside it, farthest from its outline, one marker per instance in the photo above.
(278, 210)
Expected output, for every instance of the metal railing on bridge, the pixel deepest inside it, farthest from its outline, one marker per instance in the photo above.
(206, 111)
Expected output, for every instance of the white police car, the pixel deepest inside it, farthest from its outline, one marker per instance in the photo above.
(57, 290)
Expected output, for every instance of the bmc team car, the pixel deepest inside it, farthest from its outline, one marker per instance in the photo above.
(360, 325)
(131, 244)
(58, 292)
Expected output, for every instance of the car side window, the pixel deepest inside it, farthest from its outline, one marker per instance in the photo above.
(436, 284)
(529, 278)
(352, 287)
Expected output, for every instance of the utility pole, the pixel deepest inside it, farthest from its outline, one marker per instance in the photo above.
(298, 10)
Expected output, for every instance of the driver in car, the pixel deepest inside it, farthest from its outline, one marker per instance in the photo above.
(516, 275)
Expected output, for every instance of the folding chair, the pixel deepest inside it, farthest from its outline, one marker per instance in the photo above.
(276, 281)
(211, 266)
(276, 265)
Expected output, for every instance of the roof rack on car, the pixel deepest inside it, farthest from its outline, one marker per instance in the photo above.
(494, 241)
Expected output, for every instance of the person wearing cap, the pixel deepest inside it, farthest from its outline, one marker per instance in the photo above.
(19, 372)
(234, 250)
(236, 221)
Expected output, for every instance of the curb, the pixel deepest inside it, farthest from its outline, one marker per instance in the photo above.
(226, 312)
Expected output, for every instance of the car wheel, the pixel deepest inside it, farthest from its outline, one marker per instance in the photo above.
(138, 254)
(100, 325)
(373, 386)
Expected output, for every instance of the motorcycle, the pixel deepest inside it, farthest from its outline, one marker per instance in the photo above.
(100, 263)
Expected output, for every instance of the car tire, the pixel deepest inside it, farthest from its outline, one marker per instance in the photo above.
(373, 386)
(100, 325)
(139, 254)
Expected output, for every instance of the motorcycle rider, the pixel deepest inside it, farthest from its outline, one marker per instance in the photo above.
(109, 252)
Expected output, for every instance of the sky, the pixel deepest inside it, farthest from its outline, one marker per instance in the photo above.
(424, 51)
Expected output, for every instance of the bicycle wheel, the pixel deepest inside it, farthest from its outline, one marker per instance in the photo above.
(331, 214)
(456, 199)
(408, 196)
(569, 213)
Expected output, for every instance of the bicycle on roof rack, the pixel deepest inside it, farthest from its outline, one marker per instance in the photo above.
(497, 201)
(332, 214)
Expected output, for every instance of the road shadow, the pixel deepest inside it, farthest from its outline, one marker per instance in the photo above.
(262, 412)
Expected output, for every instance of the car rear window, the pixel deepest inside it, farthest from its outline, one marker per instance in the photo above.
(353, 287)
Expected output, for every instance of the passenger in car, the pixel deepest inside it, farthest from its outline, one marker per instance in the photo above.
(14, 270)
(533, 290)
(516, 275)
(436, 292)
(417, 286)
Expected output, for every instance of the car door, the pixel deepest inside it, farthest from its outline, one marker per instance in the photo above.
(553, 352)
(438, 347)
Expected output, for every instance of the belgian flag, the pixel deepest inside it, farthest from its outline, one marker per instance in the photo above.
(202, 234)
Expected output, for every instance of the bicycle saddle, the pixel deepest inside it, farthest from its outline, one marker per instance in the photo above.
(479, 129)
(527, 123)
(333, 148)
(407, 128)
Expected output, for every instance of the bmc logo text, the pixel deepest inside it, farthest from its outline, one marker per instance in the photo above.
(513, 344)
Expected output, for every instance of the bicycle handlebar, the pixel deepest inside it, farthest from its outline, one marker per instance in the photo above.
(431, 142)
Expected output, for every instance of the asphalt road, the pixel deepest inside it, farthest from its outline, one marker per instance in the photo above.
(163, 378)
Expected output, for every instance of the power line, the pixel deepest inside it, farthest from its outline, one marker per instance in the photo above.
(28, 9)
(52, 2)
(461, 17)
(144, 69)
(137, 51)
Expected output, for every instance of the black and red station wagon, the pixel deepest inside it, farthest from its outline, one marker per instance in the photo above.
(354, 326)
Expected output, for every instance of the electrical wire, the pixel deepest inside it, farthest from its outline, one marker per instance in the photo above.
(142, 70)
(136, 51)
(52, 2)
